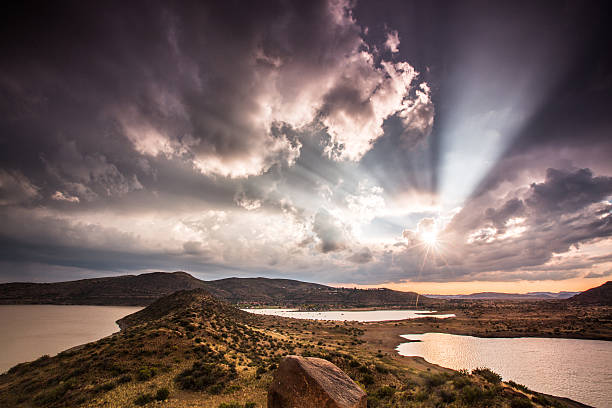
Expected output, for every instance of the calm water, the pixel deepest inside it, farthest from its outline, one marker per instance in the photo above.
(356, 316)
(30, 331)
(577, 369)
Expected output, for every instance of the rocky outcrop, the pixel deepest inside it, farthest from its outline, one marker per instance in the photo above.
(308, 382)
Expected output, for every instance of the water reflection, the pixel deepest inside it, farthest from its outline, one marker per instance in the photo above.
(30, 331)
(577, 369)
(352, 315)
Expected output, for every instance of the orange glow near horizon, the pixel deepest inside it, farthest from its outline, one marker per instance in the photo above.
(460, 288)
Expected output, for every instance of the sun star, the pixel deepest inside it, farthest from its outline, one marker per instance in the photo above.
(430, 238)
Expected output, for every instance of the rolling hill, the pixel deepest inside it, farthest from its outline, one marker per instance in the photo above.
(127, 290)
(601, 295)
(192, 349)
(144, 289)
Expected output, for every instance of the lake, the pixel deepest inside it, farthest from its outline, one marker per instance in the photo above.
(352, 315)
(31, 331)
(577, 369)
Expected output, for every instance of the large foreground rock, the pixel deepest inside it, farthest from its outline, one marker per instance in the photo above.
(312, 382)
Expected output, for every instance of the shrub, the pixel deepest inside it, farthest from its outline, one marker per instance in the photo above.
(143, 399)
(106, 386)
(471, 394)
(145, 373)
(367, 379)
(54, 394)
(435, 380)
(205, 377)
(385, 392)
(542, 400)
(460, 381)
(447, 396)
(162, 394)
(249, 404)
(519, 386)
(124, 379)
(488, 375)
(230, 405)
(382, 369)
(520, 403)
(421, 396)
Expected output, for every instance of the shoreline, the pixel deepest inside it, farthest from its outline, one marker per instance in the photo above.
(185, 319)
(498, 319)
(388, 344)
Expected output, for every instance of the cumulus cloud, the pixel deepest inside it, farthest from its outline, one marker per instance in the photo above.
(332, 235)
(392, 43)
(356, 107)
(208, 96)
(60, 196)
(565, 192)
(282, 138)
(527, 229)
(362, 256)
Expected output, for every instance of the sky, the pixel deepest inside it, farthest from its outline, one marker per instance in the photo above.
(443, 147)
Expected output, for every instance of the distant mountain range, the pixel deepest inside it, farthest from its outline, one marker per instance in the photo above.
(144, 289)
(509, 296)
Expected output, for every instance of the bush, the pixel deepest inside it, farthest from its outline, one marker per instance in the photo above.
(143, 399)
(519, 386)
(382, 369)
(205, 377)
(367, 379)
(520, 403)
(447, 396)
(384, 392)
(105, 387)
(460, 381)
(162, 394)
(542, 400)
(124, 379)
(145, 373)
(488, 375)
(230, 405)
(54, 394)
(421, 396)
(471, 394)
(435, 380)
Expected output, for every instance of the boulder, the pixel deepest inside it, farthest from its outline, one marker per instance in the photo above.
(308, 382)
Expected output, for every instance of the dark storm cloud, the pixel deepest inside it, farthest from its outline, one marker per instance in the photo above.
(267, 135)
(548, 218)
(565, 192)
(499, 217)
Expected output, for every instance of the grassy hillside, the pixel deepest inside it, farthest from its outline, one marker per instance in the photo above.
(191, 349)
(127, 290)
(601, 295)
(142, 290)
(290, 292)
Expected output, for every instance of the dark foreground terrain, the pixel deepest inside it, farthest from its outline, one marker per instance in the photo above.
(191, 349)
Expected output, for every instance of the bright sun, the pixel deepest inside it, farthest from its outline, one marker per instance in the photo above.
(430, 238)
